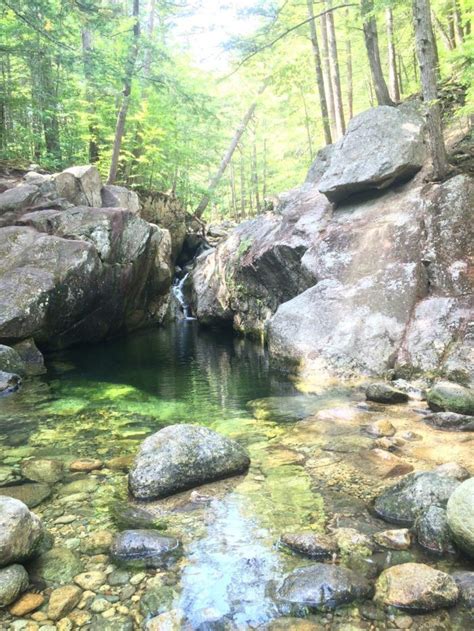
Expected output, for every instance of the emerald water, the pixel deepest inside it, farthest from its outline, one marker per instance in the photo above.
(307, 471)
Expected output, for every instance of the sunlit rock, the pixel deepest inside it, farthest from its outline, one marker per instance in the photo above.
(460, 514)
(20, 530)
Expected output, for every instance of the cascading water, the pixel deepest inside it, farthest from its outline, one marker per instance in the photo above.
(178, 291)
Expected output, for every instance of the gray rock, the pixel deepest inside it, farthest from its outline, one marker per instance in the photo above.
(180, 457)
(384, 393)
(143, 548)
(320, 164)
(57, 566)
(465, 582)
(432, 531)
(9, 382)
(43, 470)
(446, 395)
(80, 185)
(381, 146)
(323, 586)
(121, 197)
(14, 200)
(404, 501)
(13, 581)
(311, 544)
(454, 470)
(10, 360)
(30, 493)
(20, 531)
(450, 421)
(460, 514)
(30, 356)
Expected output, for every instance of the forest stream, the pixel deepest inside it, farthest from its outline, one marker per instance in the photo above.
(306, 473)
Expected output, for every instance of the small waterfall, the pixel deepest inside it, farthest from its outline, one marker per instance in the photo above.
(178, 291)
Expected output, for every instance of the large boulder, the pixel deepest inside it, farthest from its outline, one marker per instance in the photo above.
(381, 146)
(80, 185)
(120, 197)
(20, 530)
(81, 275)
(321, 585)
(14, 200)
(404, 501)
(167, 212)
(460, 515)
(10, 360)
(13, 581)
(416, 587)
(452, 397)
(180, 457)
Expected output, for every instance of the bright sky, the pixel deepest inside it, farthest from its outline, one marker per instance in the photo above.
(205, 30)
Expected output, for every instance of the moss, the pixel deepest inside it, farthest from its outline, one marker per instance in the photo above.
(244, 246)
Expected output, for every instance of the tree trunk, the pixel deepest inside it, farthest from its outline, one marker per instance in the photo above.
(442, 31)
(335, 77)
(49, 107)
(228, 155)
(264, 183)
(373, 53)
(458, 32)
(255, 178)
(350, 87)
(425, 49)
(319, 76)
(328, 91)
(88, 62)
(307, 125)
(127, 89)
(242, 186)
(392, 58)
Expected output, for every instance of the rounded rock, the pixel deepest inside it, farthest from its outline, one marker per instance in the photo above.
(86, 465)
(26, 604)
(42, 470)
(20, 530)
(384, 393)
(13, 581)
(310, 544)
(452, 397)
(143, 548)
(460, 515)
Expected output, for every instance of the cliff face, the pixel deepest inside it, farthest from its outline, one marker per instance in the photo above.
(382, 280)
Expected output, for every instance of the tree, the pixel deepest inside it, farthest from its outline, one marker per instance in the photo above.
(392, 57)
(127, 89)
(426, 52)
(334, 70)
(373, 53)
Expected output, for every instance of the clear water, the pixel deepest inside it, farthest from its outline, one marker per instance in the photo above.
(102, 401)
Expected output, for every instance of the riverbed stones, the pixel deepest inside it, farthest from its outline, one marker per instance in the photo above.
(404, 501)
(57, 566)
(97, 542)
(323, 586)
(91, 580)
(353, 543)
(30, 493)
(86, 464)
(381, 146)
(380, 428)
(416, 587)
(42, 470)
(13, 581)
(181, 457)
(311, 544)
(400, 539)
(465, 581)
(143, 548)
(20, 530)
(167, 621)
(385, 393)
(432, 531)
(26, 604)
(450, 421)
(454, 470)
(460, 515)
(63, 600)
(452, 397)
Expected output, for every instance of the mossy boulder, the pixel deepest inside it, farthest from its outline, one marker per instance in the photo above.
(452, 397)
(460, 515)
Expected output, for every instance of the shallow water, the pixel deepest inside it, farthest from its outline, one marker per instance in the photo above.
(102, 401)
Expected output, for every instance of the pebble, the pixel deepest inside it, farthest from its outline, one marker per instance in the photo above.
(98, 542)
(65, 519)
(99, 605)
(90, 581)
(381, 428)
(63, 600)
(403, 622)
(86, 464)
(137, 578)
(118, 577)
(400, 539)
(26, 604)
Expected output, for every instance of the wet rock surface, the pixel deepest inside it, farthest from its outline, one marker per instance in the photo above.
(180, 457)
(311, 544)
(432, 531)
(384, 393)
(460, 515)
(321, 585)
(450, 421)
(446, 395)
(143, 548)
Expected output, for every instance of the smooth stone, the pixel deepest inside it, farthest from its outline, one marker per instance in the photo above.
(9, 382)
(415, 587)
(143, 548)
(167, 621)
(57, 566)
(31, 493)
(13, 581)
(405, 500)
(454, 470)
(380, 428)
(384, 393)
(386, 464)
(63, 600)
(432, 531)
(86, 464)
(394, 539)
(120, 463)
(157, 599)
(181, 457)
(91, 580)
(99, 605)
(26, 604)
(97, 542)
(10, 360)
(129, 517)
(310, 544)
(451, 397)
(86, 485)
(42, 470)
(460, 515)
(325, 586)
(20, 531)
(450, 421)
(351, 542)
(465, 581)
(118, 577)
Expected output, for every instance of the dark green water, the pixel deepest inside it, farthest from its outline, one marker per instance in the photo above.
(102, 401)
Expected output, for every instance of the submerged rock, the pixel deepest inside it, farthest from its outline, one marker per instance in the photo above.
(180, 457)
(63, 600)
(432, 531)
(381, 146)
(394, 539)
(403, 502)
(381, 428)
(9, 382)
(20, 531)
(325, 586)
(42, 470)
(30, 493)
(143, 548)
(58, 566)
(446, 395)
(384, 393)
(13, 581)
(453, 470)
(10, 360)
(416, 587)
(465, 582)
(460, 515)
(311, 544)
(450, 421)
